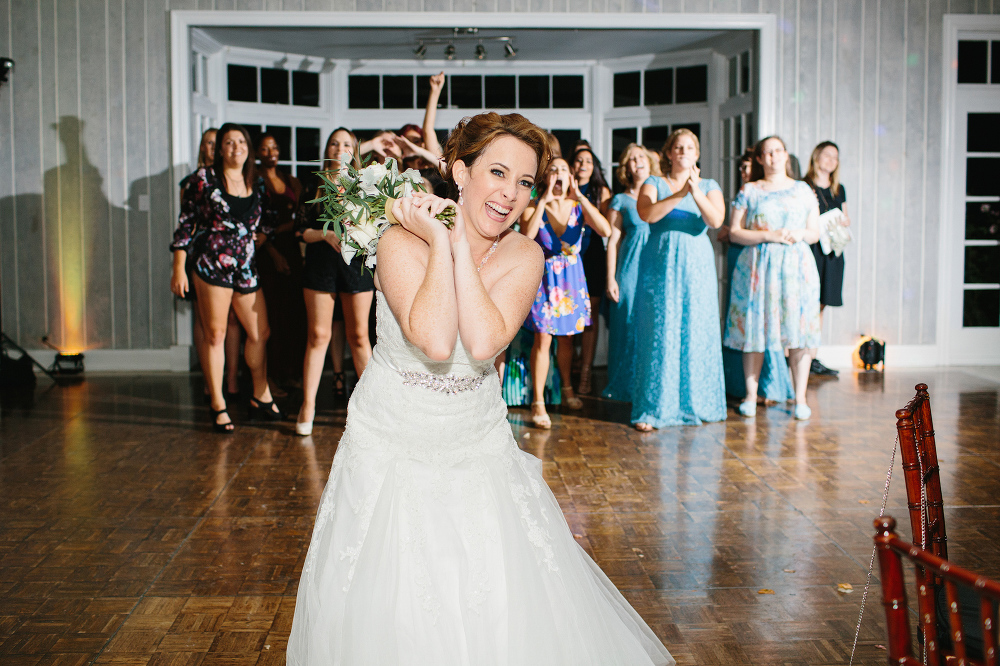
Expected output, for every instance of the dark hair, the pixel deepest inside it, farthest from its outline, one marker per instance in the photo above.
(597, 184)
(249, 166)
(474, 134)
(757, 169)
(260, 141)
(356, 160)
(410, 126)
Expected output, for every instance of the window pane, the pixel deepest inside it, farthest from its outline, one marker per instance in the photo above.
(467, 91)
(655, 136)
(397, 92)
(982, 176)
(627, 89)
(534, 92)
(620, 138)
(306, 173)
(984, 133)
(726, 138)
(972, 61)
(567, 140)
(994, 62)
(273, 85)
(242, 83)
(501, 92)
(305, 88)
(424, 90)
(567, 92)
(982, 265)
(981, 308)
(745, 72)
(306, 144)
(751, 131)
(362, 92)
(738, 135)
(283, 135)
(734, 76)
(254, 131)
(692, 84)
(694, 127)
(982, 220)
(365, 134)
(659, 86)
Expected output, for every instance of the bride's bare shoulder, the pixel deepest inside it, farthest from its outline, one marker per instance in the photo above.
(396, 242)
(519, 251)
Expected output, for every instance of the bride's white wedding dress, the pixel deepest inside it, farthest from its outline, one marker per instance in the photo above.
(438, 542)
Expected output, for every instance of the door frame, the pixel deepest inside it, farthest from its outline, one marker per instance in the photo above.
(952, 345)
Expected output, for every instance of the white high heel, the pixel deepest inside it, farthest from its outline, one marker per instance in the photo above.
(304, 429)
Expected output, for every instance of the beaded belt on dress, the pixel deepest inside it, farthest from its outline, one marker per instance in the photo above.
(450, 384)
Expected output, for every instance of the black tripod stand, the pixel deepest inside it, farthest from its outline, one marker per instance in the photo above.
(7, 343)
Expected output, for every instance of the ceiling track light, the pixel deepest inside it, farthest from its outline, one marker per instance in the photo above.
(508, 49)
(480, 51)
(420, 51)
(449, 52)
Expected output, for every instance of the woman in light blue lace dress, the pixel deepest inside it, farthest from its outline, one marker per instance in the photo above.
(628, 236)
(774, 296)
(678, 351)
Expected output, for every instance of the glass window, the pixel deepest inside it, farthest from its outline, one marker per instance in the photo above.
(982, 264)
(397, 92)
(983, 133)
(567, 91)
(305, 88)
(982, 176)
(734, 76)
(659, 86)
(533, 91)
(654, 136)
(306, 144)
(254, 131)
(627, 89)
(692, 84)
(362, 91)
(283, 135)
(727, 146)
(467, 91)
(738, 135)
(273, 85)
(242, 83)
(745, 72)
(981, 307)
(972, 61)
(424, 91)
(501, 92)
(982, 220)
(567, 140)
(694, 127)
(620, 138)
(994, 62)
(751, 131)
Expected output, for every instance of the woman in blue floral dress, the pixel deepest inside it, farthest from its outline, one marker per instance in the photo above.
(678, 351)
(562, 306)
(628, 236)
(774, 298)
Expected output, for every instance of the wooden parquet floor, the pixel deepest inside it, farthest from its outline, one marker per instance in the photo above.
(132, 534)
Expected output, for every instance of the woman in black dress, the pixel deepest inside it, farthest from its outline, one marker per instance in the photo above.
(223, 210)
(823, 177)
(589, 174)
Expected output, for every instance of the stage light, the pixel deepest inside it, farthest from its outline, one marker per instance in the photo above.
(449, 52)
(67, 364)
(420, 51)
(508, 50)
(480, 51)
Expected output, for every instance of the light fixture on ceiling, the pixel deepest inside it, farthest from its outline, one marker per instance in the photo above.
(420, 51)
(480, 51)
(508, 49)
(449, 52)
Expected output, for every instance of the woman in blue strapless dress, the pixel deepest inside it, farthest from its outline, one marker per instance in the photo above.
(678, 351)
(562, 306)
(628, 236)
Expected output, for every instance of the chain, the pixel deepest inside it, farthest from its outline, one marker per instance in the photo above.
(871, 565)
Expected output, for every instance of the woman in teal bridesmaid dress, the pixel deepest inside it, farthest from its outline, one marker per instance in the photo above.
(678, 351)
(628, 236)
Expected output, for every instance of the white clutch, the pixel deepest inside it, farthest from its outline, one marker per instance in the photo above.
(833, 235)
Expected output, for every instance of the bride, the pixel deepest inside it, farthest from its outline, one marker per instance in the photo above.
(437, 540)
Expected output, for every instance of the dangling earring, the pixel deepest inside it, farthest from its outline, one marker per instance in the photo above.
(460, 200)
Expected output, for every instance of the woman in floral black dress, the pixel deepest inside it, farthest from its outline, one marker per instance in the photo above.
(223, 208)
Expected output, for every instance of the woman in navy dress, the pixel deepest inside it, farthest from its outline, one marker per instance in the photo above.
(678, 352)
(562, 306)
(223, 208)
(629, 234)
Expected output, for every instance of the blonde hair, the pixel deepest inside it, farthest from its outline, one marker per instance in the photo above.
(202, 162)
(672, 139)
(834, 175)
(621, 173)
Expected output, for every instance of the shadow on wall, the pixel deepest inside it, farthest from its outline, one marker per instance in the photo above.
(81, 270)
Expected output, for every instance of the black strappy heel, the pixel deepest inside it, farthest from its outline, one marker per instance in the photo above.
(340, 386)
(264, 411)
(222, 427)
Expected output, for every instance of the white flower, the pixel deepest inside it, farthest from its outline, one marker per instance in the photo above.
(370, 261)
(356, 212)
(404, 189)
(370, 177)
(347, 251)
(413, 176)
(363, 234)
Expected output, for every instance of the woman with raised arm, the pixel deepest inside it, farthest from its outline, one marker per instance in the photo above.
(223, 209)
(437, 540)
(557, 221)
(629, 234)
(678, 351)
(774, 297)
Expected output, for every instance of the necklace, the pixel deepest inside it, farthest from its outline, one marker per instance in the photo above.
(489, 253)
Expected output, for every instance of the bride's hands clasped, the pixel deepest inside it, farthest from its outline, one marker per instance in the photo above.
(417, 213)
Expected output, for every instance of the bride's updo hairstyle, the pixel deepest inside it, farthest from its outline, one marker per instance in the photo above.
(474, 134)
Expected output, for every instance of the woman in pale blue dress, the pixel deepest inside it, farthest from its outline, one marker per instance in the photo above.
(775, 383)
(774, 296)
(678, 350)
(628, 236)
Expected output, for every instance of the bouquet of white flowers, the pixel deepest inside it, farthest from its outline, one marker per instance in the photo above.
(359, 204)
